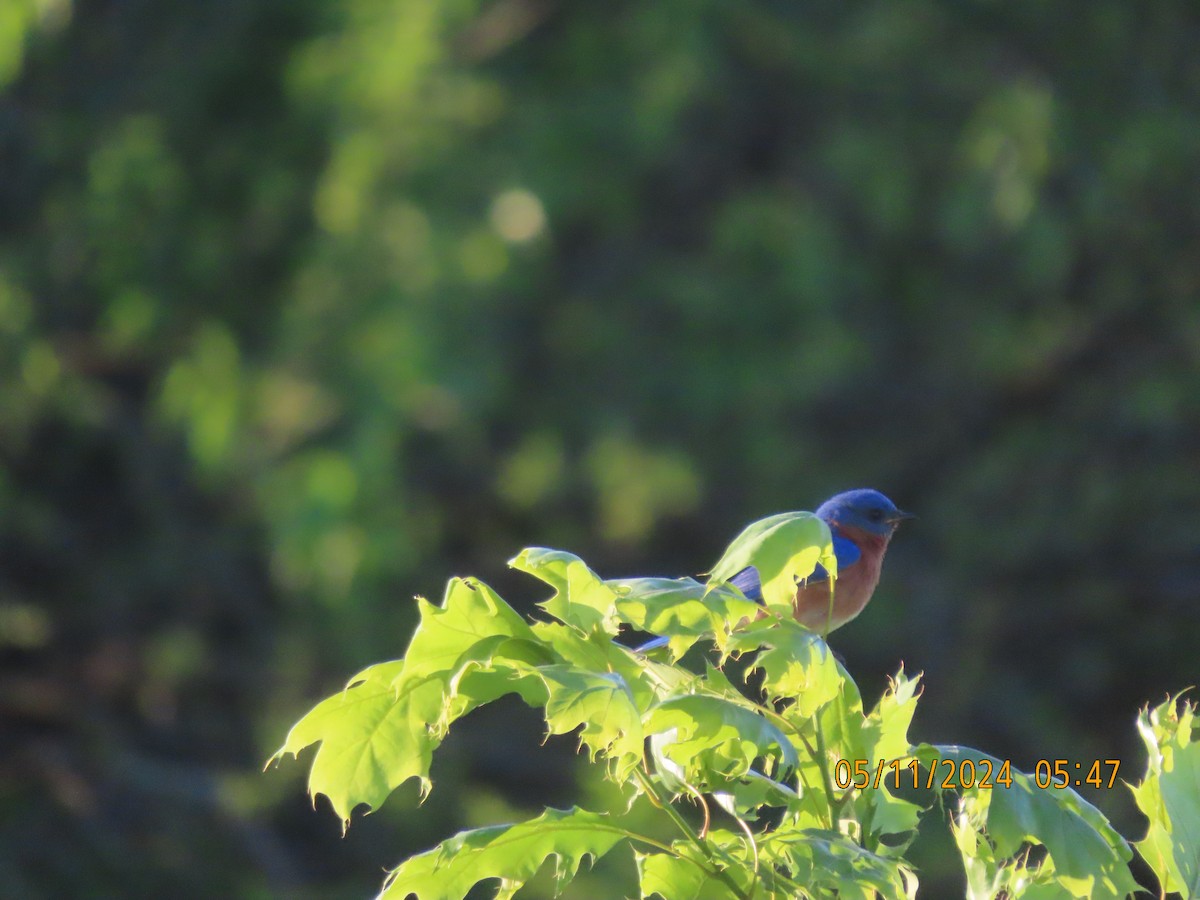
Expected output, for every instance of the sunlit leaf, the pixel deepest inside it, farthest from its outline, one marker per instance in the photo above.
(831, 861)
(581, 599)
(714, 740)
(373, 738)
(470, 611)
(796, 663)
(832, 733)
(885, 733)
(785, 549)
(383, 728)
(841, 722)
(1090, 857)
(510, 853)
(488, 670)
(682, 875)
(746, 796)
(671, 877)
(885, 741)
(682, 610)
(596, 653)
(1169, 796)
(891, 815)
(603, 705)
(990, 876)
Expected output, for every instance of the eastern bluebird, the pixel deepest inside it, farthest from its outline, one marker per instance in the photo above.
(862, 522)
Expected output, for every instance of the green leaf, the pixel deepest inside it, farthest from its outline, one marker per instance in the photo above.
(373, 738)
(597, 653)
(687, 873)
(682, 609)
(714, 740)
(1090, 857)
(470, 611)
(884, 740)
(581, 599)
(828, 860)
(511, 853)
(745, 797)
(1169, 796)
(796, 663)
(679, 877)
(834, 732)
(885, 732)
(383, 728)
(384, 672)
(988, 876)
(489, 669)
(890, 814)
(785, 549)
(841, 721)
(603, 705)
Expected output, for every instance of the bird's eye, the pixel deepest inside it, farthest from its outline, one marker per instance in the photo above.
(875, 515)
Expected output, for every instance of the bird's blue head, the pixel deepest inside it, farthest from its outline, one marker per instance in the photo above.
(865, 509)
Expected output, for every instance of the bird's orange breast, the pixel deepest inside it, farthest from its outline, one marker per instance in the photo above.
(851, 593)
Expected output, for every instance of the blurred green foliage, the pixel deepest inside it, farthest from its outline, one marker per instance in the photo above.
(305, 306)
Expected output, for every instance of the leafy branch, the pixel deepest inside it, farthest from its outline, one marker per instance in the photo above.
(794, 760)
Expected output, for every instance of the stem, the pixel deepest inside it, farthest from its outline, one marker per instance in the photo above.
(794, 887)
(681, 823)
(753, 850)
(779, 721)
(829, 618)
(826, 778)
(704, 806)
(867, 838)
(648, 841)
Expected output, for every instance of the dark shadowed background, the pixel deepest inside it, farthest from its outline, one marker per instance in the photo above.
(307, 305)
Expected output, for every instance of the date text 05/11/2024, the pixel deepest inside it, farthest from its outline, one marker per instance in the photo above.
(952, 774)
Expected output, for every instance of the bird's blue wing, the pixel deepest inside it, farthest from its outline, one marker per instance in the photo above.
(748, 583)
(847, 554)
(652, 645)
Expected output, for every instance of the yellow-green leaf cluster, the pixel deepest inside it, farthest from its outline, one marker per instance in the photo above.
(772, 730)
(1169, 796)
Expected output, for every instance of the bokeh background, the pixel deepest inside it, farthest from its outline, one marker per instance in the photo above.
(307, 305)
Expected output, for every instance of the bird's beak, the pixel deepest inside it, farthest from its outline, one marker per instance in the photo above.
(899, 516)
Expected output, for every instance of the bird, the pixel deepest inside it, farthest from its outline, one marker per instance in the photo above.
(861, 522)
